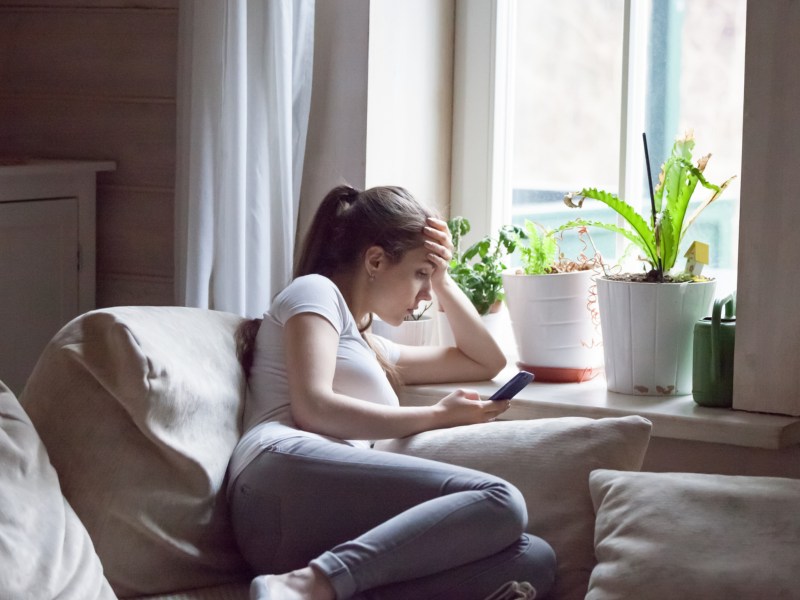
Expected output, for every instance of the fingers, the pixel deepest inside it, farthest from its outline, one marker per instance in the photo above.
(437, 231)
(497, 407)
(470, 394)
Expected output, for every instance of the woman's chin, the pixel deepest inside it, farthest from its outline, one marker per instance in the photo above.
(393, 321)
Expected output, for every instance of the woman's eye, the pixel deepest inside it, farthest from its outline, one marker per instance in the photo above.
(423, 274)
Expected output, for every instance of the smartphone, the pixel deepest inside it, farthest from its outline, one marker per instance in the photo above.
(513, 386)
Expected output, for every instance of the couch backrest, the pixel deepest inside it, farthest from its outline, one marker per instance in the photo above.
(140, 409)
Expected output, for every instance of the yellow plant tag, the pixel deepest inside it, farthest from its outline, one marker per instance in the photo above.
(696, 256)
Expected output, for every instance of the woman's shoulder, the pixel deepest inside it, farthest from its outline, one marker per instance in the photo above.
(311, 286)
(311, 293)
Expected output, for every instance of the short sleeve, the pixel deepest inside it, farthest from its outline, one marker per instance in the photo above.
(311, 294)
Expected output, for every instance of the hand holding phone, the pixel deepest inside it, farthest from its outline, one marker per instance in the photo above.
(513, 386)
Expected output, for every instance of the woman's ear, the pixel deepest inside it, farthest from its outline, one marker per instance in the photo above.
(374, 260)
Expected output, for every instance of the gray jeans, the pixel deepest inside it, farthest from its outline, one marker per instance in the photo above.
(385, 526)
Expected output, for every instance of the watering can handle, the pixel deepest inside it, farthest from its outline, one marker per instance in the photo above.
(729, 302)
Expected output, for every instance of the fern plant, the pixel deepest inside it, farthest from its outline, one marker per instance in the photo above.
(540, 253)
(658, 236)
(538, 250)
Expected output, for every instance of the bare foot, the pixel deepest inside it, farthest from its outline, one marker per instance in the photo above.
(303, 584)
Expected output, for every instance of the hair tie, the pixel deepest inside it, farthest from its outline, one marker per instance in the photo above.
(348, 196)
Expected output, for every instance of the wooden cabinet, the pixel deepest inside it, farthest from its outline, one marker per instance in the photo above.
(47, 256)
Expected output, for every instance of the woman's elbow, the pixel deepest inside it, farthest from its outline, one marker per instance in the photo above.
(490, 365)
(305, 417)
(495, 365)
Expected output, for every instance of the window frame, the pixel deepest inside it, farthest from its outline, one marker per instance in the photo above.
(482, 149)
(765, 379)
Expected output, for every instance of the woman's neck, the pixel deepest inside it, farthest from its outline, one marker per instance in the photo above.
(352, 289)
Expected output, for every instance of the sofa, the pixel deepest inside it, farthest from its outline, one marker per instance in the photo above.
(114, 460)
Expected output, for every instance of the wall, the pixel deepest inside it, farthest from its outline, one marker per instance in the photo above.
(382, 85)
(337, 137)
(766, 377)
(96, 79)
(410, 97)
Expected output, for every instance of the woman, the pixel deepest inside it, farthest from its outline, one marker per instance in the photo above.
(312, 504)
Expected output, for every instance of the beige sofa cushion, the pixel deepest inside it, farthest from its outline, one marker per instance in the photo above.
(140, 409)
(45, 551)
(549, 460)
(686, 535)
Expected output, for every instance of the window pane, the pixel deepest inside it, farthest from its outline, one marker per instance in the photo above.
(696, 82)
(566, 110)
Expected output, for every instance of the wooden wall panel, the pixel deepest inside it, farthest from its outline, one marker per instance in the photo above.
(139, 136)
(96, 79)
(135, 231)
(80, 52)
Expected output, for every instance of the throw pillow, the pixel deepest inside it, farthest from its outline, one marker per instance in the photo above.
(45, 551)
(549, 460)
(140, 408)
(688, 535)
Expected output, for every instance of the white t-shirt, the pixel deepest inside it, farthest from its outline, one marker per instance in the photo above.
(267, 414)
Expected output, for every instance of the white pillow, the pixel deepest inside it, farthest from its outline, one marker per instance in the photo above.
(549, 460)
(45, 551)
(687, 535)
(140, 408)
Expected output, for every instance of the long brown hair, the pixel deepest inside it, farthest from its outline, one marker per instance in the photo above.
(346, 224)
(245, 338)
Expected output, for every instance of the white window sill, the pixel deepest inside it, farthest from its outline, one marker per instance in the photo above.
(675, 417)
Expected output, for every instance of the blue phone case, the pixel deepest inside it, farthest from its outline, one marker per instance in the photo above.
(513, 386)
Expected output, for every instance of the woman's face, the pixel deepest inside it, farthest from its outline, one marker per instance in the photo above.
(400, 287)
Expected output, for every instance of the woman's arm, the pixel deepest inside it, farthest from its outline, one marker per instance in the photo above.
(311, 344)
(476, 355)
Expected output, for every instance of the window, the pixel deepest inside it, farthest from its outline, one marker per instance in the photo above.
(575, 85)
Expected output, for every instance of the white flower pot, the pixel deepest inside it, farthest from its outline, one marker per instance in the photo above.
(410, 333)
(555, 324)
(647, 334)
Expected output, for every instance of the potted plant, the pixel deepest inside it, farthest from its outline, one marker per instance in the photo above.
(647, 318)
(553, 308)
(478, 271)
(417, 329)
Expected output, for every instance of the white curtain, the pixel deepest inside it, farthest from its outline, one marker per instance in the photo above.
(244, 92)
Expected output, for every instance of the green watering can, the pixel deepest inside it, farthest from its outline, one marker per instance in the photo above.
(714, 340)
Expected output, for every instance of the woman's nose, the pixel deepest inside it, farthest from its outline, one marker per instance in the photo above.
(425, 294)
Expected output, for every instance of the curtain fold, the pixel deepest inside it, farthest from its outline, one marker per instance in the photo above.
(244, 94)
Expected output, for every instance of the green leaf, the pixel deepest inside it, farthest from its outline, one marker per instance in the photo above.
(659, 235)
(631, 236)
(478, 270)
(539, 252)
(703, 205)
(641, 230)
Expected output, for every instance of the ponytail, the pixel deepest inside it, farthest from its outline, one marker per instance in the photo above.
(321, 252)
(245, 338)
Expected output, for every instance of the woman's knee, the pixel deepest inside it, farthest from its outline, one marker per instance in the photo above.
(513, 502)
(542, 563)
(510, 509)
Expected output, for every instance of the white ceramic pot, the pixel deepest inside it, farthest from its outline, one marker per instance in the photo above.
(410, 333)
(647, 334)
(556, 325)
